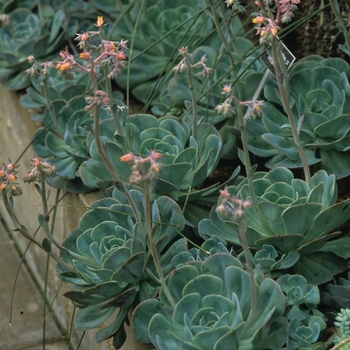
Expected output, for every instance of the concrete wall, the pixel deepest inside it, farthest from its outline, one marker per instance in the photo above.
(16, 131)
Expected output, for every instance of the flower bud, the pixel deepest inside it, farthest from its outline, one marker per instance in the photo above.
(127, 157)
(10, 166)
(11, 177)
(258, 20)
(64, 66)
(121, 56)
(99, 22)
(85, 55)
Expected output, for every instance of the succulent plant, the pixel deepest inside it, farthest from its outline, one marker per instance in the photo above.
(302, 298)
(280, 199)
(271, 263)
(337, 295)
(213, 302)
(342, 323)
(173, 25)
(185, 162)
(301, 336)
(319, 95)
(59, 104)
(110, 260)
(36, 29)
(66, 150)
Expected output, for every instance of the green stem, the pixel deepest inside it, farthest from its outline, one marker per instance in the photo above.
(244, 243)
(334, 5)
(23, 231)
(47, 215)
(14, 219)
(116, 120)
(96, 130)
(193, 97)
(153, 246)
(284, 99)
(247, 164)
(50, 108)
(224, 41)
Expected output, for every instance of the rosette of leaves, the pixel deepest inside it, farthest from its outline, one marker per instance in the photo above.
(280, 200)
(36, 29)
(213, 302)
(109, 263)
(319, 96)
(337, 295)
(185, 162)
(270, 263)
(305, 336)
(302, 298)
(162, 28)
(65, 148)
(63, 143)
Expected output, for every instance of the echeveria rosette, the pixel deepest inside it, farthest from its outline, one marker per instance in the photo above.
(213, 300)
(306, 321)
(319, 95)
(40, 30)
(291, 217)
(185, 162)
(336, 294)
(156, 39)
(109, 258)
(26, 35)
(305, 336)
(66, 147)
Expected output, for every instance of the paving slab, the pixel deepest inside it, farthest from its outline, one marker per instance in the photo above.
(26, 331)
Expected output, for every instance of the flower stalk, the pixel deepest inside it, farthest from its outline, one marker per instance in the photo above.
(281, 81)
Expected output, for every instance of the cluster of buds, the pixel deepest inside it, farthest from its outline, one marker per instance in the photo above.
(38, 171)
(143, 168)
(64, 67)
(8, 177)
(231, 206)
(99, 99)
(38, 69)
(106, 53)
(186, 63)
(268, 27)
(225, 108)
(286, 8)
(236, 5)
